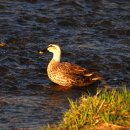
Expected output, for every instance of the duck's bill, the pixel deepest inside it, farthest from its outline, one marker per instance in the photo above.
(43, 51)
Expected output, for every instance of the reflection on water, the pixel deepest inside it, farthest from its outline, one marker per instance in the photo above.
(97, 33)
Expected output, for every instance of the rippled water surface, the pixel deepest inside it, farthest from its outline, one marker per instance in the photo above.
(92, 33)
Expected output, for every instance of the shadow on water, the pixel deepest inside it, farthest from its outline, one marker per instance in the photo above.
(93, 34)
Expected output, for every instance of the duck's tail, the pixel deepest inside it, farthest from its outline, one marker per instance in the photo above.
(98, 77)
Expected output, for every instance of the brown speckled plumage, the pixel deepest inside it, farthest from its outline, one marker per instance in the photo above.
(68, 74)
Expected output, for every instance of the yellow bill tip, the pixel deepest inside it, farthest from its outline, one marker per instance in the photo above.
(40, 52)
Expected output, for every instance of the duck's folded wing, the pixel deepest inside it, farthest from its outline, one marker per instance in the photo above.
(76, 71)
(70, 68)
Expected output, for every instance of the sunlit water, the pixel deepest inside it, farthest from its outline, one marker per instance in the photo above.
(92, 33)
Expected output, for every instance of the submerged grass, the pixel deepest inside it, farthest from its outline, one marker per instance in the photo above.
(90, 112)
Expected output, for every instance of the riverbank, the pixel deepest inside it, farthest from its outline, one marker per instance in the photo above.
(107, 109)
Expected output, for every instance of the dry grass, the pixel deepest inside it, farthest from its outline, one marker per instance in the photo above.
(109, 109)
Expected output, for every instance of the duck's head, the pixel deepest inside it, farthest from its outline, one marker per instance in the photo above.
(55, 49)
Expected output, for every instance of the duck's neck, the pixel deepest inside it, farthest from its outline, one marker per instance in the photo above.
(56, 56)
(54, 61)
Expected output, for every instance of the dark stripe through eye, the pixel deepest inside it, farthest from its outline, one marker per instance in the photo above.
(50, 45)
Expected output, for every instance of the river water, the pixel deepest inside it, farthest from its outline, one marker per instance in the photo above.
(92, 33)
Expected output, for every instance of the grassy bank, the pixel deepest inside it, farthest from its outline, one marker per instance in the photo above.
(105, 109)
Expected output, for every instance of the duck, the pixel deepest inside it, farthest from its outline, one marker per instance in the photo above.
(69, 74)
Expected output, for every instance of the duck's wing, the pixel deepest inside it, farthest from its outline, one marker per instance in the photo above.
(71, 68)
(74, 69)
(77, 71)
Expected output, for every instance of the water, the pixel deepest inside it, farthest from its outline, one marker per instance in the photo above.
(92, 33)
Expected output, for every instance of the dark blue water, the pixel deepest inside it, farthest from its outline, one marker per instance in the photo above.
(92, 33)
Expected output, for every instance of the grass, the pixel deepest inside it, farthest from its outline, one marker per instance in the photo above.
(91, 112)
